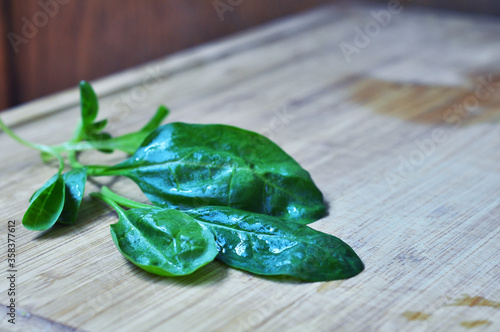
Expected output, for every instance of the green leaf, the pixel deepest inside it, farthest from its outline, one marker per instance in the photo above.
(266, 245)
(130, 142)
(46, 205)
(46, 157)
(89, 104)
(102, 136)
(163, 242)
(45, 186)
(189, 165)
(161, 113)
(98, 126)
(74, 181)
(99, 138)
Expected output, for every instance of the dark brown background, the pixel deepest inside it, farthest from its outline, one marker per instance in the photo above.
(92, 38)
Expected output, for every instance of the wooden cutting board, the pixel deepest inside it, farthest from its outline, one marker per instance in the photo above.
(395, 116)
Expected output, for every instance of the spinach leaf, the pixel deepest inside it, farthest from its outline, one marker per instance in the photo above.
(89, 105)
(98, 126)
(42, 188)
(130, 142)
(188, 165)
(266, 245)
(88, 129)
(74, 182)
(163, 242)
(99, 137)
(161, 113)
(46, 205)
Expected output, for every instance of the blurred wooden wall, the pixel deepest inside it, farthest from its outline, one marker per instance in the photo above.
(5, 77)
(64, 41)
(491, 7)
(50, 45)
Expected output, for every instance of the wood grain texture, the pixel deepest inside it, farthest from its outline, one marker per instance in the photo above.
(403, 140)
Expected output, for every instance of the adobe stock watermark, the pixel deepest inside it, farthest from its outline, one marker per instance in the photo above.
(221, 7)
(454, 116)
(270, 304)
(30, 28)
(279, 122)
(127, 101)
(363, 37)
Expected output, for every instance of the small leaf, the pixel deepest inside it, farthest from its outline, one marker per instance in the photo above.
(45, 205)
(102, 136)
(89, 104)
(102, 139)
(46, 157)
(266, 245)
(163, 242)
(130, 142)
(45, 186)
(156, 120)
(98, 126)
(74, 181)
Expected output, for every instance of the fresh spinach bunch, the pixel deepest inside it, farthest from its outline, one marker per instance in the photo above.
(218, 192)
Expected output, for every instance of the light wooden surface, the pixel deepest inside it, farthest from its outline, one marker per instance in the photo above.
(403, 140)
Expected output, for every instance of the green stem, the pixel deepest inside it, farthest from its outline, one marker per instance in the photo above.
(99, 170)
(110, 202)
(39, 147)
(81, 146)
(106, 192)
(72, 154)
(73, 161)
(78, 134)
(73, 146)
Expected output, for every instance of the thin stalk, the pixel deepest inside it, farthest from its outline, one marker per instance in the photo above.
(106, 192)
(39, 147)
(110, 202)
(76, 146)
(77, 135)
(72, 154)
(73, 160)
(99, 170)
